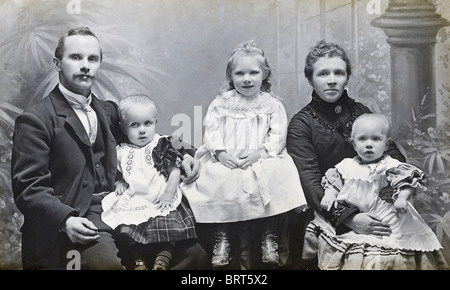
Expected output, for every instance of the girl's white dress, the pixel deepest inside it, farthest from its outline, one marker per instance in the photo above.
(135, 213)
(242, 125)
(359, 185)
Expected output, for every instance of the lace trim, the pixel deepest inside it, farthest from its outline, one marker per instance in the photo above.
(147, 153)
(232, 101)
(131, 154)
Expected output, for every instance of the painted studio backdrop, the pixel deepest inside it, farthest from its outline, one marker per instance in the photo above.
(176, 51)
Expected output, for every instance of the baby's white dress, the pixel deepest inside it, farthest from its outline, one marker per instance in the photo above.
(411, 245)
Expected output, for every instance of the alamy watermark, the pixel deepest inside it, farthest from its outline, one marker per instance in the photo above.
(186, 127)
(74, 7)
(374, 7)
(75, 260)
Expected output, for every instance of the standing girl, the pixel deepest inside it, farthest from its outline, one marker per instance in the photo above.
(246, 173)
(357, 181)
(147, 206)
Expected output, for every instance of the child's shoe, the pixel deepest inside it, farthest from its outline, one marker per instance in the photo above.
(162, 261)
(139, 264)
(221, 250)
(269, 248)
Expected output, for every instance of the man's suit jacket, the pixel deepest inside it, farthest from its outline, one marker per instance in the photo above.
(52, 166)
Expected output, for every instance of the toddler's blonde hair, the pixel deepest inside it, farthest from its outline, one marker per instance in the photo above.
(375, 117)
(127, 104)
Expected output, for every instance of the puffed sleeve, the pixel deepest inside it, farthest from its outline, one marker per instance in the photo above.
(276, 140)
(340, 210)
(213, 134)
(332, 179)
(405, 175)
(166, 157)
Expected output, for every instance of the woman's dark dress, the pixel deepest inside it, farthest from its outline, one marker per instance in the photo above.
(319, 138)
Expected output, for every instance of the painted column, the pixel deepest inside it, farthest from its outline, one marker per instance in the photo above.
(411, 27)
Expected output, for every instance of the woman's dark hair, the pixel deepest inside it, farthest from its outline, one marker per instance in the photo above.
(325, 49)
(59, 51)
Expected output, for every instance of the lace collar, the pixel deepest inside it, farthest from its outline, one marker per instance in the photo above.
(262, 102)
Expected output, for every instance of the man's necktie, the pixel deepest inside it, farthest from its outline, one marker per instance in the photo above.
(92, 118)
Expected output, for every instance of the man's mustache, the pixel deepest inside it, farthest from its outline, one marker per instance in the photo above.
(83, 75)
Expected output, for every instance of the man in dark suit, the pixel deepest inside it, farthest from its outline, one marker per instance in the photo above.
(64, 160)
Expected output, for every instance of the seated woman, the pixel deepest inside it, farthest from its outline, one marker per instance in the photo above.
(356, 181)
(318, 138)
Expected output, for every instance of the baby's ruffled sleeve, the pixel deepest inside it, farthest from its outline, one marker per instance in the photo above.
(166, 157)
(340, 210)
(405, 175)
(332, 179)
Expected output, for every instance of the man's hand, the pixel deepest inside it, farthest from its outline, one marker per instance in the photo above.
(191, 166)
(80, 230)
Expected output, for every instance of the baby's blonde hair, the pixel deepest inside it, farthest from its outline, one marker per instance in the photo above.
(134, 100)
(376, 117)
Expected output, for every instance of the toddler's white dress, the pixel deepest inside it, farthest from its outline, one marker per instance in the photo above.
(135, 213)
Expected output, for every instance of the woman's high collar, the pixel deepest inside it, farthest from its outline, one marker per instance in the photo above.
(325, 107)
(339, 115)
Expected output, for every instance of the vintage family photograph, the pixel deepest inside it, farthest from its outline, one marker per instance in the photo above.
(267, 135)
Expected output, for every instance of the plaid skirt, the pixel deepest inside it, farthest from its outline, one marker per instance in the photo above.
(178, 225)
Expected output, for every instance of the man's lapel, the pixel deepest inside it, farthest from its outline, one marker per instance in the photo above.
(62, 108)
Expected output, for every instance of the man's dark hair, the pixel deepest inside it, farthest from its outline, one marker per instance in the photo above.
(83, 30)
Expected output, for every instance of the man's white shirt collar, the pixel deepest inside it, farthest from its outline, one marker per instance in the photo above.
(80, 98)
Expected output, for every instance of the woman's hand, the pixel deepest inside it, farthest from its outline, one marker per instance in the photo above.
(369, 224)
(227, 160)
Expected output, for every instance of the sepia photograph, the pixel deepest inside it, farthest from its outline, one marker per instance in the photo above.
(267, 135)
